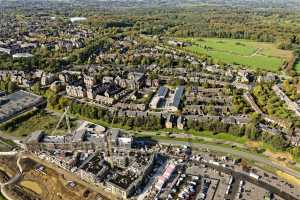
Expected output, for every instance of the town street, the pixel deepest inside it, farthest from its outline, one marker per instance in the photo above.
(246, 155)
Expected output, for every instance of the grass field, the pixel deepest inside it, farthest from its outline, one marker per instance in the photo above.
(255, 55)
(219, 136)
(40, 121)
(2, 197)
(6, 145)
(297, 66)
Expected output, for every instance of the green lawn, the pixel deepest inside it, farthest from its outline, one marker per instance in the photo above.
(220, 136)
(200, 134)
(6, 145)
(40, 121)
(230, 46)
(2, 197)
(297, 66)
(255, 55)
(158, 134)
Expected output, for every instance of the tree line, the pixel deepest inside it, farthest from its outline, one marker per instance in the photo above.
(154, 123)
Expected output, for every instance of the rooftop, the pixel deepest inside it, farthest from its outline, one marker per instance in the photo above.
(79, 135)
(35, 137)
(17, 102)
(54, 139)
(162, 91)
(177, 96)
(124, 180)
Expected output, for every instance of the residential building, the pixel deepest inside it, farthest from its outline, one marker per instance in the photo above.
(180, 122)
(175, 102)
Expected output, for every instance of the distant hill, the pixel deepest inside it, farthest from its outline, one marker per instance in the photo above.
(292, 4)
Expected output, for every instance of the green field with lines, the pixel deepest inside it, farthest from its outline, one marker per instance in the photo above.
(255, 55)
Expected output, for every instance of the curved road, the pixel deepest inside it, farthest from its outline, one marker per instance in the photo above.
(3, 192)
(262, 184)
(241, 154)
(12, 180)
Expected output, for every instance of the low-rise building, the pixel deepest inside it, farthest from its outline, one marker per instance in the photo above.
(47, 79)
(136, 80)
(123, 184)
(89, 81)
(180, 122)
(175, 102)
(170, 121)
(76, 91)
(159, 97)
(17, 103)
(104, 100)
(22, 55)
(57, 86)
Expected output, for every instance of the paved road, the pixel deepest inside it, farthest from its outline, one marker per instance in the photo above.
(246, 155)
(259, 183)
(9, 153)
(4, 193)
(12, 180)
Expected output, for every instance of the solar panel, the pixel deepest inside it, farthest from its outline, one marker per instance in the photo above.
(177, 96)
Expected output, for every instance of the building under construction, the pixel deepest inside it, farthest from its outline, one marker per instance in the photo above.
(84, 139)
(101, 157)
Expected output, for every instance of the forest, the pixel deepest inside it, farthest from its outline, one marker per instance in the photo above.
(279, 25)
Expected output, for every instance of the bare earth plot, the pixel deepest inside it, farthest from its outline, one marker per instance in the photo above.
(255, 55)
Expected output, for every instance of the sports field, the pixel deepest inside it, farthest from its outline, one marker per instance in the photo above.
(256, 55)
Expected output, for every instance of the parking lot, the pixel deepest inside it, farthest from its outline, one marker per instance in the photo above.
(218, 181)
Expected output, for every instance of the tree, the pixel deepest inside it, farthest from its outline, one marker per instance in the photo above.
(287, 86)
(53, 101)
(252, 132)
(36, 88)
(295, 152)
(285, 44)
(12, 86)
(63, 102)
(279, 142)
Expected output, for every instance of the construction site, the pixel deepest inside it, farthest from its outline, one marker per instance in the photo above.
(38, 180)
(104, 158)
(100, 163)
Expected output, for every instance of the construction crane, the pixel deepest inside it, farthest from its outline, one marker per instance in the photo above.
(109, 149)
(190, 143)
(109, 145)
(64, 115)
